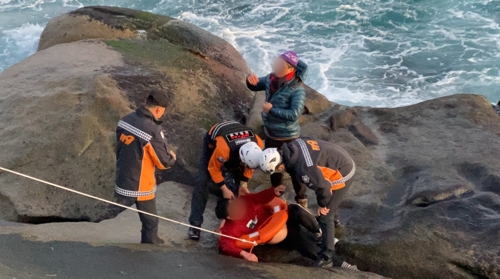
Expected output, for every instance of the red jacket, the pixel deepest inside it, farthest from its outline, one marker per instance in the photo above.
(238, 228)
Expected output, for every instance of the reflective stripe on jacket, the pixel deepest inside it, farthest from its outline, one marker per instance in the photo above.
(316, 164)
(228, 137)
(141, 148)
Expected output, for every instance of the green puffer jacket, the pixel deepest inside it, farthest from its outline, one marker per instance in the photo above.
(282, 121)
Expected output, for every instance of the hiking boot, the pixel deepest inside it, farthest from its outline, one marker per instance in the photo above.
(194, 234)
(325, 261)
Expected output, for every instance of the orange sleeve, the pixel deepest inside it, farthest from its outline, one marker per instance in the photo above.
(247, 173)
(220, 155)
(259, 142)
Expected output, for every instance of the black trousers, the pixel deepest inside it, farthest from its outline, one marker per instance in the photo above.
(300, 192)
(302, 226)
(327, 222)
(149, 231)
(204, 185)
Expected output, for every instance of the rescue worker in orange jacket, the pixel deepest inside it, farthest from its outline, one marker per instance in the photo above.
(323, 167)
(230, 153)
(141, 149)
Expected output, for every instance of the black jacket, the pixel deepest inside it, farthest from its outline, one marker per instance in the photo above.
(312, 161)
(140, 149)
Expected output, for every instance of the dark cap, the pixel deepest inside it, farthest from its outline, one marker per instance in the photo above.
(158, 98)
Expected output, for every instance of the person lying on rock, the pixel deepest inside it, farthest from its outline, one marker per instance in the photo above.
(285, 100)
(230, 153)
(246, 215)
(323, 167)
(141, 148)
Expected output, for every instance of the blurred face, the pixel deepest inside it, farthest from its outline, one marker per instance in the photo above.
(236, 209)
(281, 68)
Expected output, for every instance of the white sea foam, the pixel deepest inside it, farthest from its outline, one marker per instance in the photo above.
(360, 52)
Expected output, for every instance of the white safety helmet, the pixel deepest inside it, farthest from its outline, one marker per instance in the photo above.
(269, 160)
(250, 154)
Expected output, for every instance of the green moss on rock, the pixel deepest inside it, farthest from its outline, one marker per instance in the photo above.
(159, 53)
(121, 18)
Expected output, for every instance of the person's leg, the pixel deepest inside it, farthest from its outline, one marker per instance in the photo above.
(149, 232)
(272, 143)
(300, 216)
(200, 191)
(114, 210)
(298, 238)
(327, 224)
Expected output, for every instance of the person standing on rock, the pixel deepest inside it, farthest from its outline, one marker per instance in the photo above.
(230, 153)
(141, 149)
(323, 167)
(285, 100)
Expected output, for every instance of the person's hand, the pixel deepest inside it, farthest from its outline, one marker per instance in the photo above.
(253, 79)
(172, 153)
(267, 107)
(323, 211)
(279, 190)
(226, 193)
(249, 256)
(242, 191)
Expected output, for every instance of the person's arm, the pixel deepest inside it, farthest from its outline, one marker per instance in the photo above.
(227, 246)
(163, 158)
(296, 106)
(219, 157)
(260, 86)
(313, 178)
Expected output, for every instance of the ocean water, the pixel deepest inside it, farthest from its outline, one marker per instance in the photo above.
(360, 52)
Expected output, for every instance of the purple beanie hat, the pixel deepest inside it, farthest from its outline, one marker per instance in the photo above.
(290, 57)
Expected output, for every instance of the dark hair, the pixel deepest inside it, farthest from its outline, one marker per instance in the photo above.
(221, 209)
(277, 179)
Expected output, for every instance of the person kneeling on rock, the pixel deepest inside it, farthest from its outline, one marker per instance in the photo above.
(140, 149)
(230, 153)
(323, 167)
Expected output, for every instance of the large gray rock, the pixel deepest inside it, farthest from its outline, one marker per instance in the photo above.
(425, 200)
(60, 106)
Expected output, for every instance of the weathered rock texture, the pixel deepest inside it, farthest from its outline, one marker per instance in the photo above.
(59, 107)
(425, 202)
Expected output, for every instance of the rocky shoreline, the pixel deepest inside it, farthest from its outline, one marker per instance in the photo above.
(426, 198)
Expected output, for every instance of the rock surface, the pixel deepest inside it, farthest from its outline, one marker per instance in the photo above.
(425, 201)
(56, 249)
(424, 204)
(59, 107)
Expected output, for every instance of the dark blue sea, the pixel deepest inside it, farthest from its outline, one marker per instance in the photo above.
(360, 52)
